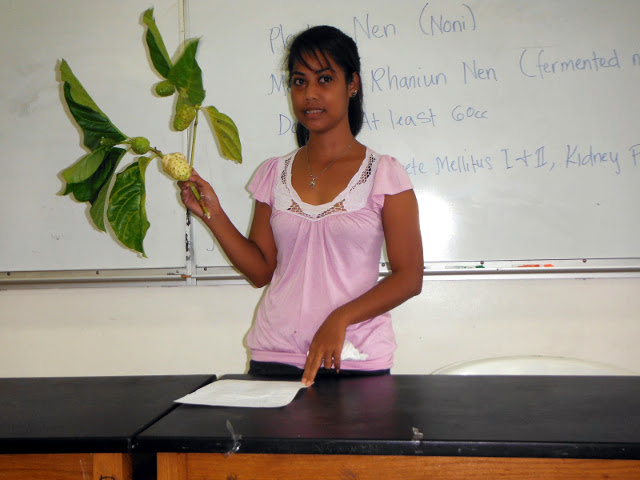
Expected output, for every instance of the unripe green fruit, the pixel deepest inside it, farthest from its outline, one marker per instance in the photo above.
(176, 165)
(140, 145)
(165, 88)
(184, 117)
(107, 142)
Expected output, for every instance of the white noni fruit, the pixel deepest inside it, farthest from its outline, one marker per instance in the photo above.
(176, 165)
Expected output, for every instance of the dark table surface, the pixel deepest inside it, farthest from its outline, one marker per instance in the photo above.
(504, 416)
(85, 414)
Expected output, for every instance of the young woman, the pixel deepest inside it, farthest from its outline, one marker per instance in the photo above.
(321, 215)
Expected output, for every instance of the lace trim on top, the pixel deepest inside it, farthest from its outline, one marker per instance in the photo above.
(354, 196)
(366, 173)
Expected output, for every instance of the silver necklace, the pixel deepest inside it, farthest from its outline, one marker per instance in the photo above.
(312, 183)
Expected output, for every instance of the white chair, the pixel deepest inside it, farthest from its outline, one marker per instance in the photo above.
(531, 365)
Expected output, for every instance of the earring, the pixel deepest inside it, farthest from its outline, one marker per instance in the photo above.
(354, 93)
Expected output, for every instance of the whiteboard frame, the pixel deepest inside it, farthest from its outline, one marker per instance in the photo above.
(576, 268)
(93, 278)
(192, 275)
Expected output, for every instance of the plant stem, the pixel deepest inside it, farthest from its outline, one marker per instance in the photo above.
(196, 194)
(193, 137)
(194, 189)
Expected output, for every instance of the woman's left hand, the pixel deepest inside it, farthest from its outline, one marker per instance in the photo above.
(326, 348)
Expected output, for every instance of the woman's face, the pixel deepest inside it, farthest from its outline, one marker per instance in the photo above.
(320, 94)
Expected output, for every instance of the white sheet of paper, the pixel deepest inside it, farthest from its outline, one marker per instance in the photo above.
(244, 393)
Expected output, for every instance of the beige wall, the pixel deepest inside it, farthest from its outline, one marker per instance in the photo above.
(179, 330)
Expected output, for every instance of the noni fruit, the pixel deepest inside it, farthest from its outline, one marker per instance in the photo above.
(140, 145)
(108, 142)
(183, 118)
(165, 88)
(176, 165)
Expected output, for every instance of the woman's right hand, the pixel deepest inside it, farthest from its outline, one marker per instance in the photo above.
(207, 194)
(255, 257)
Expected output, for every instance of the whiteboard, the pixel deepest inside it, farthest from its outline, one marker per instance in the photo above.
(103, 43)
(516, 120)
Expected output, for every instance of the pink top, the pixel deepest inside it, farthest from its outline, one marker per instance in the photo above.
(327, 255)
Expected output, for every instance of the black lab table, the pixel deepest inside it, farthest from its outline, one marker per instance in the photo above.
(413, 427)
(80, 428)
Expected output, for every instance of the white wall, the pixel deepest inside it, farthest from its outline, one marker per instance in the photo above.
(180, 330)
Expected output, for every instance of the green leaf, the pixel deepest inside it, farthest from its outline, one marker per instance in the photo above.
(85, 167)
(187, 75)
(126, 211)
(87, 190)
(97, 208)
(95, 125)
(157, 50)
(227, 134)
(77, 91)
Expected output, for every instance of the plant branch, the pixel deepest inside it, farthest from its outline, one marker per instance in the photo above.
(193, 137)
(194, 189)
(156, 151)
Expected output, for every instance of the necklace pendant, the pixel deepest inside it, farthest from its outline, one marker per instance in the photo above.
(312, 183)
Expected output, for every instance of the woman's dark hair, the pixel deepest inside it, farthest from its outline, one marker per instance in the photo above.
(323, 42)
